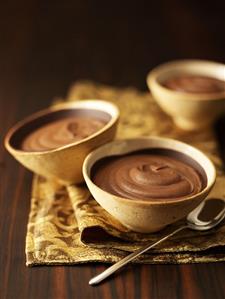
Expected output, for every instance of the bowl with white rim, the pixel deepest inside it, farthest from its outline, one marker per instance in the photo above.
(189, 110)
(147, 215)
(63, 163)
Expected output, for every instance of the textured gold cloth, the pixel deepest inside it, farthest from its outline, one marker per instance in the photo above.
(67, 226)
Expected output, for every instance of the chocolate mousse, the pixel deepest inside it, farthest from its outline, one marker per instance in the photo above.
(149, 175)
(195, 84)
(60, 132)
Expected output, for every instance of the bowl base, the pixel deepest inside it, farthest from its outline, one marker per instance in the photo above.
(145, 230)
(190, 125)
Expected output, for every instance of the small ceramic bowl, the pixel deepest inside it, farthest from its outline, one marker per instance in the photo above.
(190, 111)
(63, 163)
(147, 215)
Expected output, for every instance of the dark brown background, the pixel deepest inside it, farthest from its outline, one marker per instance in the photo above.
(44, 47)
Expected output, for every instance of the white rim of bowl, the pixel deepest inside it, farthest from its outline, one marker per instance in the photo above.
(153, 75)
(211, 177)
(99, 105)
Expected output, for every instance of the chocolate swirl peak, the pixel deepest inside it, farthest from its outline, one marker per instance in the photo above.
(61, 132)
(147, 176)
(195, 84)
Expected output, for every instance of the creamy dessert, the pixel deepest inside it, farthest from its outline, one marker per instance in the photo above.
(61, 132)
(148, 175)
(194, 84)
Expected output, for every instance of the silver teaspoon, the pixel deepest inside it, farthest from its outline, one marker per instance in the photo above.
(206, 216)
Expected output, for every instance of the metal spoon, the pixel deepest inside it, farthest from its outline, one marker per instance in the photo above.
(206, 216)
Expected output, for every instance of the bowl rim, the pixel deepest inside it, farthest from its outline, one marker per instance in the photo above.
(89, 104)
(148, 202)
(153, 75)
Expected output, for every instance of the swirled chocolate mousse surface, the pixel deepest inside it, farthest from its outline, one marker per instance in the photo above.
(147, 177)
(195, 84)
(61, 132)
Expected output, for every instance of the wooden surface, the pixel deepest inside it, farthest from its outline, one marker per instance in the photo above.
(44, 47)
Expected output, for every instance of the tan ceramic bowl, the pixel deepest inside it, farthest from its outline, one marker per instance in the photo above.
(147, 216)
(64, 163)
(190, 111)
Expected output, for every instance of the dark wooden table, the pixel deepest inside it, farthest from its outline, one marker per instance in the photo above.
(44, 47)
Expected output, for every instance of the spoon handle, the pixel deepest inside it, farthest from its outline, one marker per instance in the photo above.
(97, 279)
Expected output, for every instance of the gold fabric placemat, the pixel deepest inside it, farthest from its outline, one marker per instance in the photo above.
(67, 226)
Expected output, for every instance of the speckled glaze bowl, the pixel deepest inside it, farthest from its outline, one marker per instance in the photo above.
(190, 111)
(64, 163)
(147, 215)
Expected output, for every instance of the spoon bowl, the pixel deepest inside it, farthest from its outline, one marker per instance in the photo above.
(207, 215)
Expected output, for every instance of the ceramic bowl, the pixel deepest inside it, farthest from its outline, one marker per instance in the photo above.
(147, 215)
(63, 163)
(190, 111)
